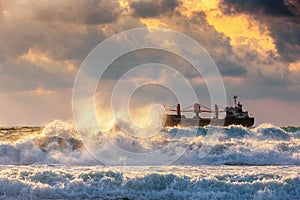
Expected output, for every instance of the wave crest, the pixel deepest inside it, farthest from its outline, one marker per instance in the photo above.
(59, 143)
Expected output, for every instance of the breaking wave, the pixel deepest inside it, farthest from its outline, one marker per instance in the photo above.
(167, 182)
(59, 143)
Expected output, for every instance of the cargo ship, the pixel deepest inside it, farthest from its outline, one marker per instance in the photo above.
(234, 115)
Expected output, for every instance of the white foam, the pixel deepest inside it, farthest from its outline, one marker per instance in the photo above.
(166, 182)
(266, 144)
(58, 144)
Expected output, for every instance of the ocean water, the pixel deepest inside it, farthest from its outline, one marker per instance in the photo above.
(52, 162)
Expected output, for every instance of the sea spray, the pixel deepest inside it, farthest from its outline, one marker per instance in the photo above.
(144, 182)
(59, 143)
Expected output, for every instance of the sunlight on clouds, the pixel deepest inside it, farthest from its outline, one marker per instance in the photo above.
(241, 29)
(35, 57)
(294, 67)
(294, 76)
(124, 5)
(153, 22)
(187, 8)
(38, 91)
(43, 60)
(190, 6)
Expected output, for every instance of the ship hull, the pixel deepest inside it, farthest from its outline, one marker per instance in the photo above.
(175, 120)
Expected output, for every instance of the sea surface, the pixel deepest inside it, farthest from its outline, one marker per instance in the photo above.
(51, 162)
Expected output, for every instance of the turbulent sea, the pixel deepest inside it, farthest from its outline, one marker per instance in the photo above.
(51, 162)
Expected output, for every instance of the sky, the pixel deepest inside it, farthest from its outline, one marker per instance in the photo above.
(255, 44)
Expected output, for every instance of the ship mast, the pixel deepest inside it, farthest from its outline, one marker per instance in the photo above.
(235, 97)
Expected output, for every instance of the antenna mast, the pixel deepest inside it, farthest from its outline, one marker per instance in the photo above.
(235, 97)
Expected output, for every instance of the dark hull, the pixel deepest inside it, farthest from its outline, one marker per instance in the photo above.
(175, 120)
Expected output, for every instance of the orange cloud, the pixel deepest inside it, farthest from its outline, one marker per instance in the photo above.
(153, 22)
(35, 56)
(241, 29)
(43, 60)
(190, 6)
(294, 67)
(124, 5)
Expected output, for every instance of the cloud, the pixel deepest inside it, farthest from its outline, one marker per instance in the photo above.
(267, 7)
(39, 50)
(1, 10)
(217, 44)
(286, 34)
(294, 6)
(61, 47)
(85, 12)
(236, 41)
(24, 75)
(229, 68)
(152, 8)
(53, 26)
(294, 76)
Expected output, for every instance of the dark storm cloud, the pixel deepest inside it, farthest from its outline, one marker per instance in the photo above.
(294, 6)
(229, 68)
(287, 37)
(267, 7)
(152, 8)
